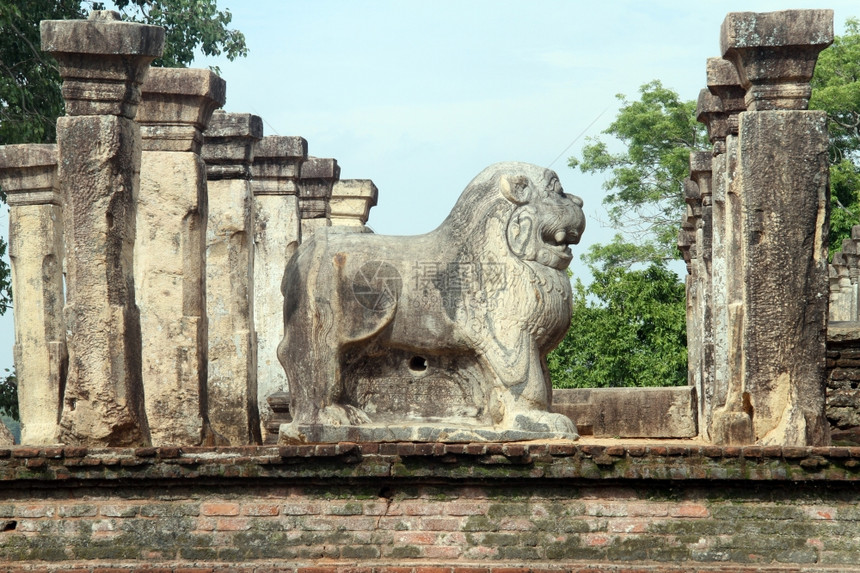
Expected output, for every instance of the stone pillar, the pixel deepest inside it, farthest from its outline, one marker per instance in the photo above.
(700, 174)
(844, 279)
(28, 175)
(351, 201)
(688, 244)
(228, 151)
(726, 95)
(102, 62)
(317, 178)
(277, 233)
(169, 256)
(780, 278)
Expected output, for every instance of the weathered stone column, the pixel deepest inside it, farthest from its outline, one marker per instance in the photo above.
(688, 244)
(28, 175)
(228, 151)
(782, 186)
(351, 201)
(728, 96)
(317, 178)
(102, 62)
(277, 234)
(169, 256)
(700, 174)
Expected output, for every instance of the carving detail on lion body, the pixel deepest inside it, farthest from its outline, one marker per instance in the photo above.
(504, 248)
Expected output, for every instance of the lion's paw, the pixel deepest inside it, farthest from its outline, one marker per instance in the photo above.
(342, 415)
(544, 422)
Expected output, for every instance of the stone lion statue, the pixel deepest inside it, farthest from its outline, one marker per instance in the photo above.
(447, 329)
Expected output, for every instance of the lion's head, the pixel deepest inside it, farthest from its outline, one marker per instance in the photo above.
(540, 219)
(545, 220)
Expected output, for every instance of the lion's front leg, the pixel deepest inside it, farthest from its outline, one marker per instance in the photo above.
(523, 403)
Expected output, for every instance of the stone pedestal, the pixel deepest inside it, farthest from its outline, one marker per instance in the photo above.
(28, 176)
(778, 212)
(102, 63)
(228, 151)
(277, 234)
(351, 201)
(169, 256)
(315, 185)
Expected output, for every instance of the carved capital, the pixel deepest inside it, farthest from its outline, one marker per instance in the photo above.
(103, 61)
(724, 83)
(177, 106)
(700, 173)
(775, 54)
(315, 185)
(709, 110)
(351, 201)
(277, 165)
(228, 145)
(28, 174)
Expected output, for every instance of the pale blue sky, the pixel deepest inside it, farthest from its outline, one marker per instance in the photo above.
(420, 96)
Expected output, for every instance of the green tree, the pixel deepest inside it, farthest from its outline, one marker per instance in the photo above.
(835, 90)
(628, 330)
(644, 187)
(30, 98)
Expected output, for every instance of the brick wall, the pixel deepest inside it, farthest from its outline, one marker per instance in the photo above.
(470, 508)
(843, 382)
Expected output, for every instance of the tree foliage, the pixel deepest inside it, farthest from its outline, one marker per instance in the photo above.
(189, 25)
(835, 90)
(645, 181)
(627, 330)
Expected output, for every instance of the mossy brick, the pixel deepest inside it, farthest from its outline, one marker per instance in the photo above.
(169, 510)
(497, 510)
(347, 508)
(360, 552)
(402, 552)
(519, 553)
(77, 510)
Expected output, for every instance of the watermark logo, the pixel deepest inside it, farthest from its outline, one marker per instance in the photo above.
(377, 285)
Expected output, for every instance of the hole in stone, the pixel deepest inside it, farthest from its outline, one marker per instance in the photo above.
(418, 364)
(386, 493)
(9, 525)
(109, 220)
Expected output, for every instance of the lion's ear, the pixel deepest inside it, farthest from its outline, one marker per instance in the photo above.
(515, 188)
(520, 233)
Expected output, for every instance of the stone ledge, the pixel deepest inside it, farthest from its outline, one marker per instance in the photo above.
(429, 567)
(422, 461)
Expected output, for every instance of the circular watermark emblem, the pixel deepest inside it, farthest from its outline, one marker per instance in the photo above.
(377, 285)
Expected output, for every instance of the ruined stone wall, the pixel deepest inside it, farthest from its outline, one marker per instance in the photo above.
(457, 507)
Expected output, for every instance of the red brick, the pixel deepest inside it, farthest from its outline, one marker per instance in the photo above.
(444, 552)
(169, 452)
(316, 570)
(441, 523)
(467, 508)
(471, 570)
(368, 449)
(34, 463)
(414, 538)
(432, 570)
(392, 570)
(260, 509)
(220, 509)
(25, 452)
(240, 524)
(691, 510)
